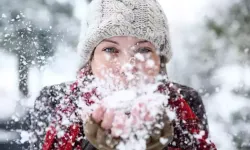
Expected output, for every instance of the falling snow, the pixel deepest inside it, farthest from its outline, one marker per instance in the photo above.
(231, 82)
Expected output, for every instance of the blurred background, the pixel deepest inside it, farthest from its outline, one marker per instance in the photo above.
(210, 41)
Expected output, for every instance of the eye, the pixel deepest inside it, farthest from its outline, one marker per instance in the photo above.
(144, 50)
(110, 50)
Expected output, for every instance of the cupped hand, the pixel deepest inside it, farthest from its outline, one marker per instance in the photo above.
(106, 126)
(97, 129)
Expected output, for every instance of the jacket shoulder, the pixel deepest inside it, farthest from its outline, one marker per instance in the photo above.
(54, 90)
(52, 94)
(194, 100)
(43, 110)
(188, 92)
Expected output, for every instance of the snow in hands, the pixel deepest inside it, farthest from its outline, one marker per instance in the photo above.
(137, 110)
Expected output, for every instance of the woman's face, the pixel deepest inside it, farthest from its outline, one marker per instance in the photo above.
(124, 59)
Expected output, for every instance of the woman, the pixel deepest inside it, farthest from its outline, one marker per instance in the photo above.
(125, 42)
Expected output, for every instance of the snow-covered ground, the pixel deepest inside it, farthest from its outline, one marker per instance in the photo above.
(183, 17)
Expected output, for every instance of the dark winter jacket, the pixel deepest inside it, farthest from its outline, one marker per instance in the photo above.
(191, 111)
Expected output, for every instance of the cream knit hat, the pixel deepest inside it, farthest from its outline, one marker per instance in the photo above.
(143, 19)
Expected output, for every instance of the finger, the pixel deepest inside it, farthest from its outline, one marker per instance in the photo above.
(148, 116)
(148, 140)
(157, 131)
(158, 143)
(118, 124)
(156, 135)
(105, 141)
(135, 114)
(142, 108)
(154, 142)
(168, 130)
(98, 114)
(101, 137)
(90, 131)
(112, 141)
(90, 128)
(108, 119)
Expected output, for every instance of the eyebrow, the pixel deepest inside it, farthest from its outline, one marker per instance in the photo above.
(106, 40)
(140, 42)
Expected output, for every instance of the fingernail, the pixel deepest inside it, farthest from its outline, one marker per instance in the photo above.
(98, 114)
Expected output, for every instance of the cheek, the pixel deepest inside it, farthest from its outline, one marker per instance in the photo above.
(151, 66)
(103, 65)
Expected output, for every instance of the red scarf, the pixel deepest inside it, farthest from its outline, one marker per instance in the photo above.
(183, 111)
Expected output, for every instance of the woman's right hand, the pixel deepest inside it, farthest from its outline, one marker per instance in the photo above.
(97, 129)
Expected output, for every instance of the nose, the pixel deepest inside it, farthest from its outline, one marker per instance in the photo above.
(130, 63)
(133, 63)
(128, 58)
(132, 60)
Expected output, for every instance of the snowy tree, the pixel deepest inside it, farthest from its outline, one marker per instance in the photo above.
(233, 29)
(31, 46)
(32, 31)
(223, 45)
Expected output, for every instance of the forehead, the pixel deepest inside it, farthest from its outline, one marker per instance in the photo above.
(124, 38)
(128, 40)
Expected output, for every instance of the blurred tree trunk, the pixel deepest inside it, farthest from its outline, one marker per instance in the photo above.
(23, 75)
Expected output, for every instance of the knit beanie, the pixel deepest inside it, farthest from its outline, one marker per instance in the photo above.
(143, 19)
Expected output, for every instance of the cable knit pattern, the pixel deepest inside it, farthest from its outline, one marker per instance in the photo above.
(143, 19)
